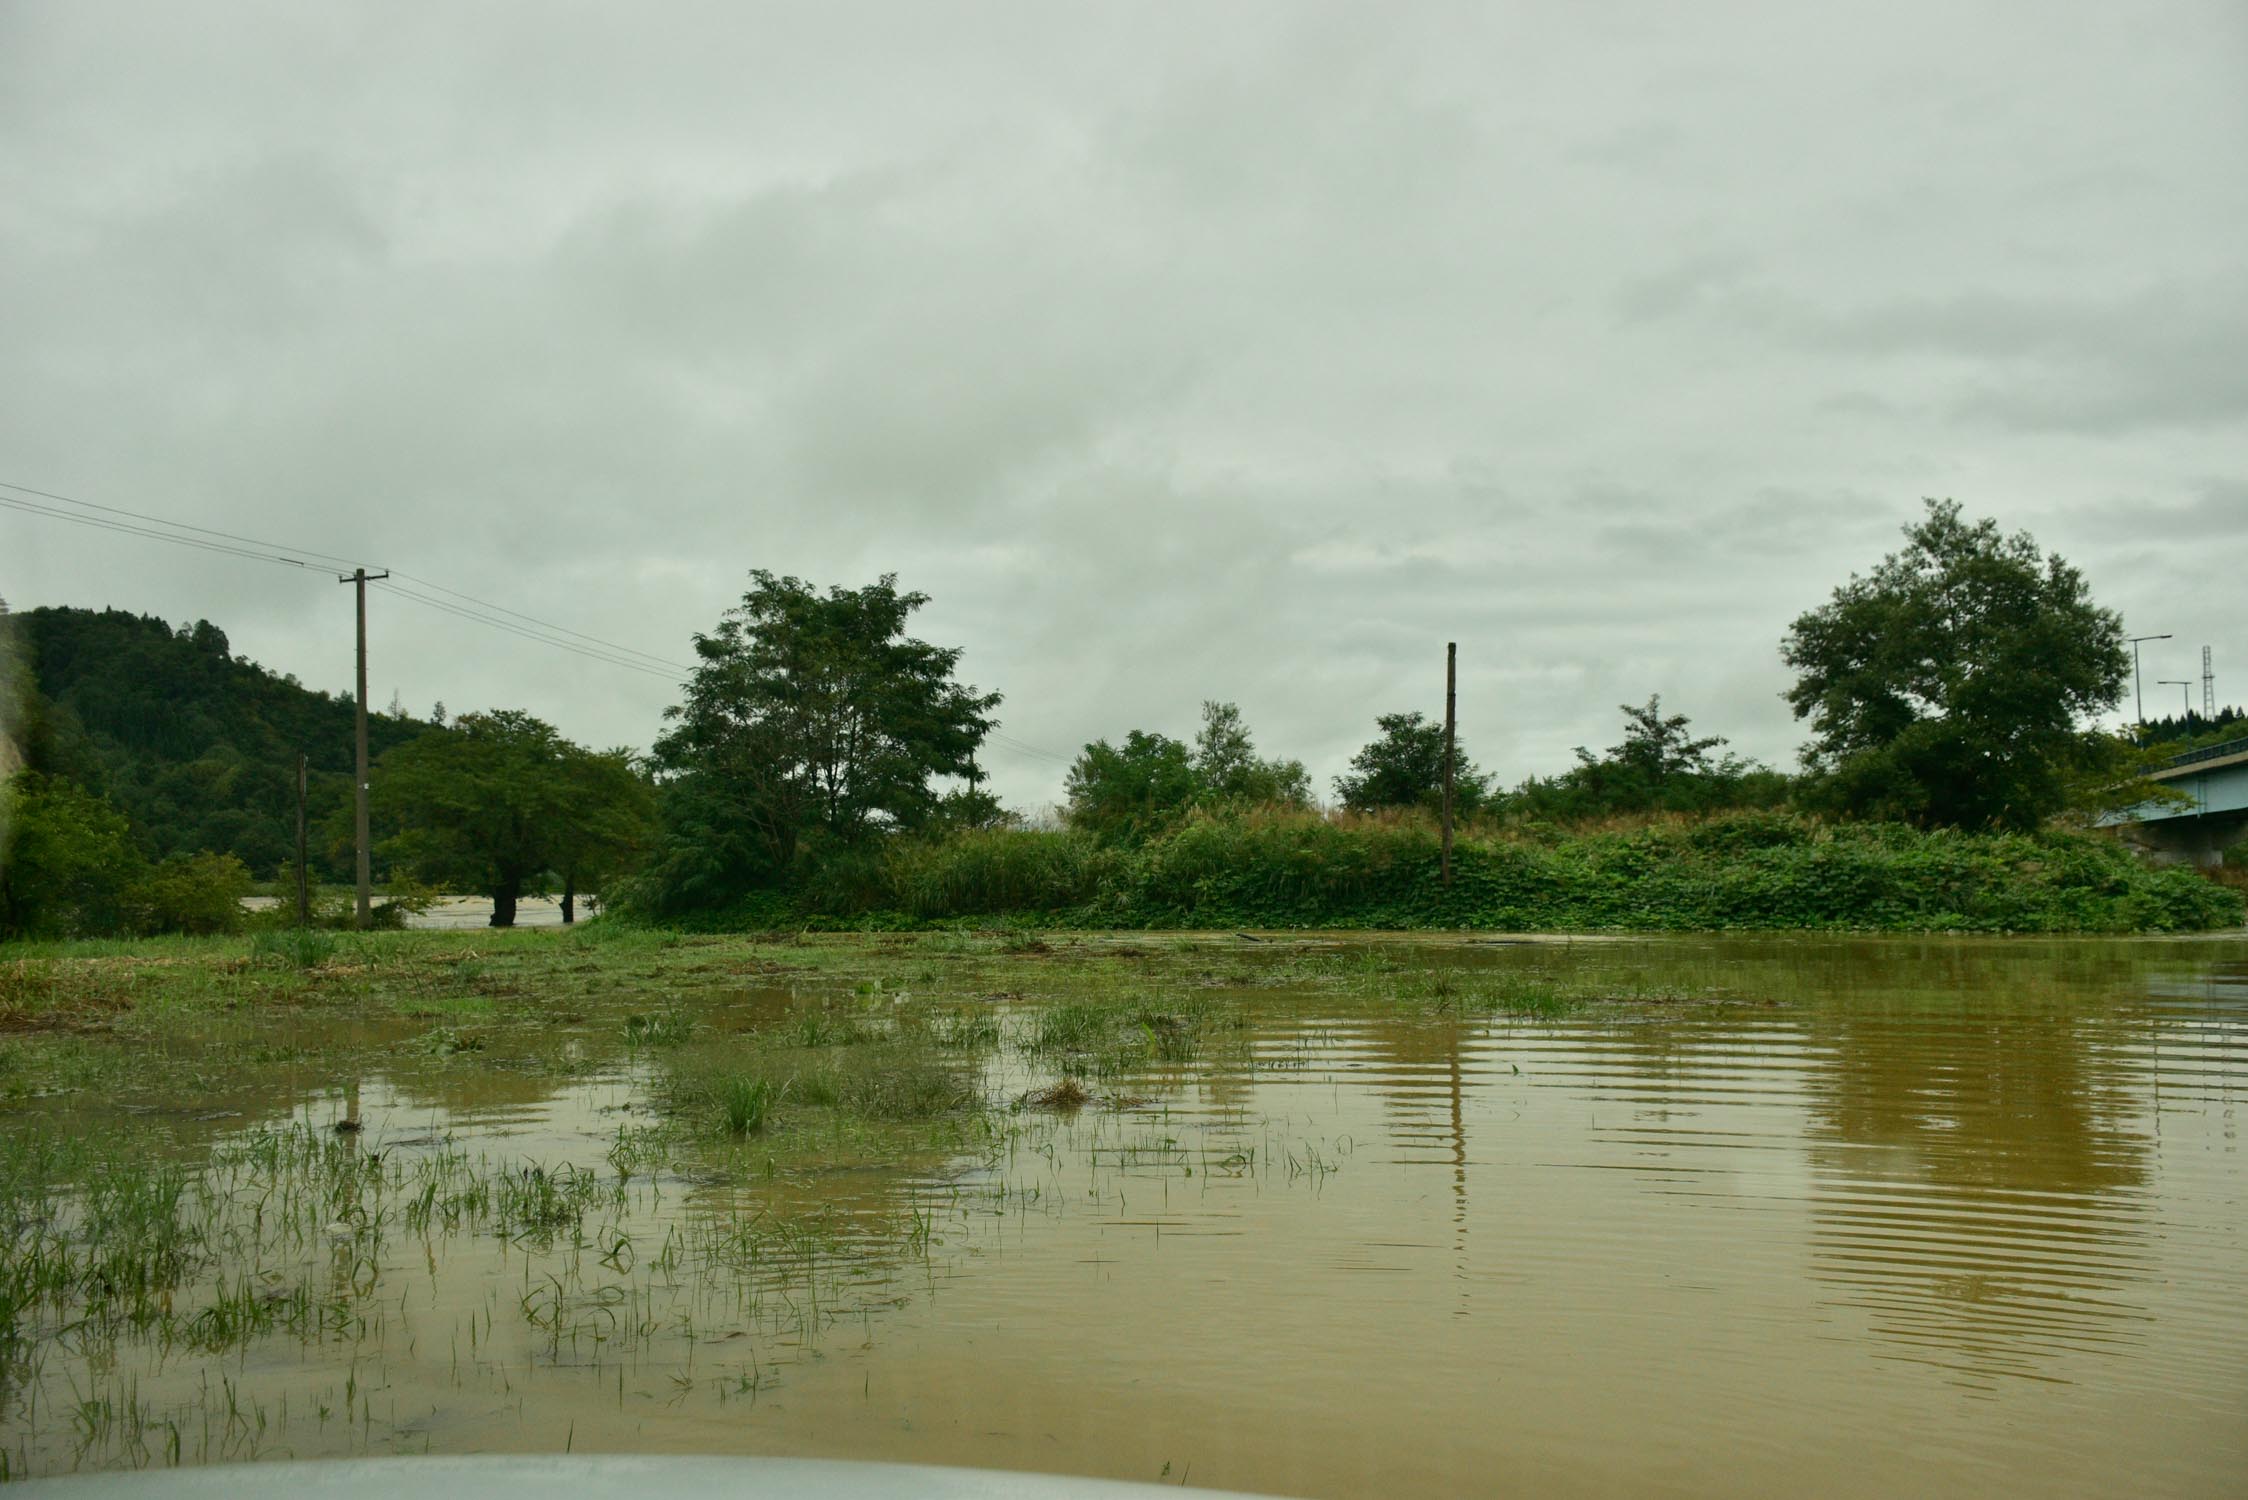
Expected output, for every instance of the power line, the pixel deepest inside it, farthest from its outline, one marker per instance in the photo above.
(610, 652)
(30, 508)
(550, 625)
(460, 612)
(469, 607)
(1014, 744)
(349, 562)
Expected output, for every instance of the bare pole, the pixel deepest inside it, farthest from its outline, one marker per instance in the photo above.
(1451, 703)
(365, 912)
(304, 886)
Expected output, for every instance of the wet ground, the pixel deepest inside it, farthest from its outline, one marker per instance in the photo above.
(1844, 1217)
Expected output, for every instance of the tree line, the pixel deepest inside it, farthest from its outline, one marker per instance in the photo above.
(1953, 685)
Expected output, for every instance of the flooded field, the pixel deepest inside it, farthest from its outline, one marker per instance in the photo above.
(1677, 1216)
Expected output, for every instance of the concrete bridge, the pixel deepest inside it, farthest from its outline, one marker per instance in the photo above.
(2199, 831)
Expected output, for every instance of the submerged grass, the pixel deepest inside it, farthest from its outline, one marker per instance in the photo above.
(1105, 1037)
(750, 1086)
(765, 1058)
(787, 1111)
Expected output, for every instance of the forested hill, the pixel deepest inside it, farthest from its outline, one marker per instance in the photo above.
(2191, 731)
(197, 747)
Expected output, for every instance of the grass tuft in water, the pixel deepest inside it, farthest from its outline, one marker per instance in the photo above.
(1102, 1038)
(745, 1103)
(670, 1027)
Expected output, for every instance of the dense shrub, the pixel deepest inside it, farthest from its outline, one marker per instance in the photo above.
(985, 872)
(69, 868)
(67, 861)
(198, 894)
(1752, 871)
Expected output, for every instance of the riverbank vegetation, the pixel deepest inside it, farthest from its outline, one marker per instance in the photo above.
(1280, 869)
(822, 770)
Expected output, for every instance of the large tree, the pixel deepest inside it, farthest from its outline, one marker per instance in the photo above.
(812, 717)
(1123, 793)
(1229, 769)
(1953, 684)
(1404, 767)
(502, 805)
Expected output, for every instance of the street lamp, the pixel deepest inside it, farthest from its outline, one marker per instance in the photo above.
(2136, 697)
(2185, 691)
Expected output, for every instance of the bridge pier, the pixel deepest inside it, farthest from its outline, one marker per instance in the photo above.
(2198, 839)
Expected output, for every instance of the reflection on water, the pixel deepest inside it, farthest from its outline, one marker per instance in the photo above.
(1844, 1217)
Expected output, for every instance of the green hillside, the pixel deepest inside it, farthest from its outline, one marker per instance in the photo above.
(196, 746)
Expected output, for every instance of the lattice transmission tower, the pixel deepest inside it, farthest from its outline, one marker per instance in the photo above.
(2208, 689)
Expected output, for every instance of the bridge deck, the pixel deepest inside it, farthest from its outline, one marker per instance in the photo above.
(2208, 758)
(2216, 777)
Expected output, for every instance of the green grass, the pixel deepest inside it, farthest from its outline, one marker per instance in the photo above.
(293, 947)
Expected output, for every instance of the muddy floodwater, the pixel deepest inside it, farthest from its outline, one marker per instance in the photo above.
(1782, 1216)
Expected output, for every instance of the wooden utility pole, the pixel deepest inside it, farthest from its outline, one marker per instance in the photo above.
(304, 886)
(1451, 703)
(366, 909)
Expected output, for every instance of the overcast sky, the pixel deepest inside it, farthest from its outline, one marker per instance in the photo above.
(1177, 351)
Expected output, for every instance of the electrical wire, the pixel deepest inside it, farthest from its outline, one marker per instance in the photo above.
(469, 607)
(648, 656)
(329, 557)
(31, 508)
(180, 525)
(1014, 744)
(460, 612)
(609, 652)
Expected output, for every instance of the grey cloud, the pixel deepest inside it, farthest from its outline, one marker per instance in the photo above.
(1681, 286)
(1247, 352)
(2166, 354)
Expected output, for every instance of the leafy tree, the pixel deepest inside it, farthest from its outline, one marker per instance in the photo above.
(606, 819)
(1949, 686)
(1661, 766)
(970, 808)
(67, 860)
(1227, 768)
(812, 717)
(1123, 793)
(2112, 774)
(1657, 749)
(1405, 768)
(500, 803)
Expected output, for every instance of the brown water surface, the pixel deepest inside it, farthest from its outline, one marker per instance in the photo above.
(1898, 1217)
